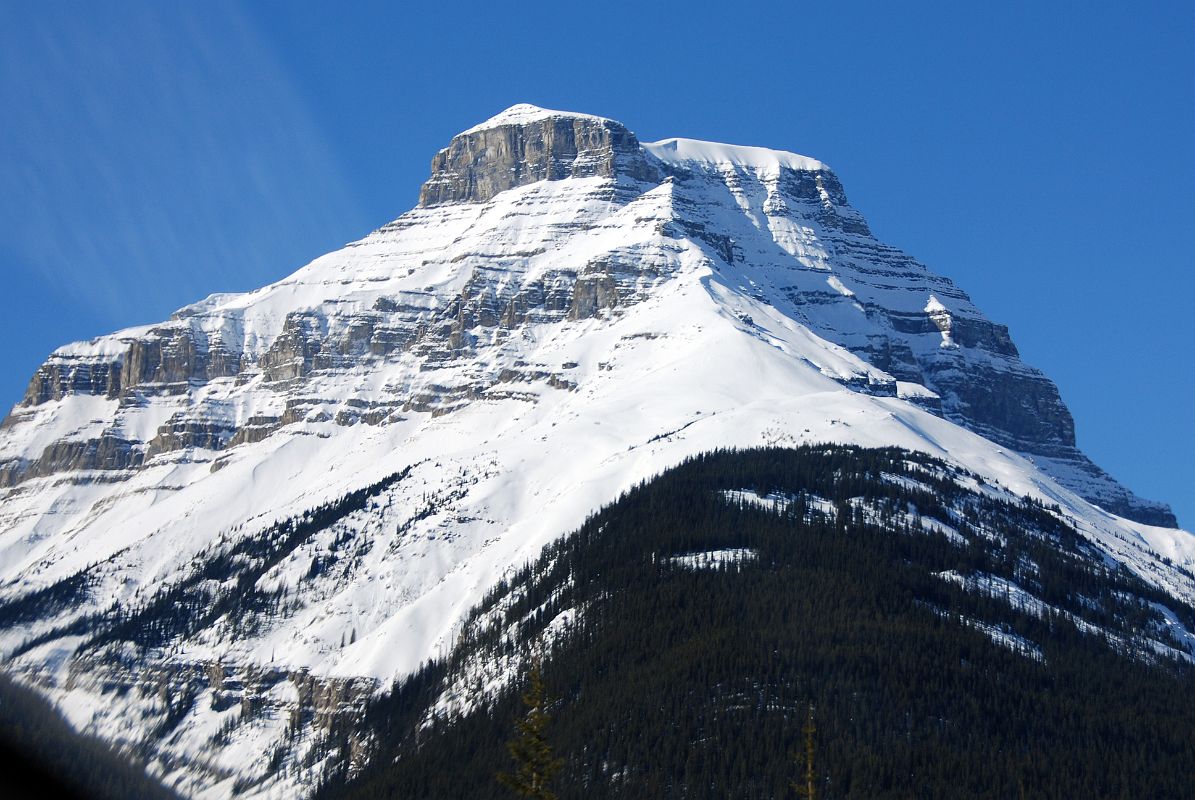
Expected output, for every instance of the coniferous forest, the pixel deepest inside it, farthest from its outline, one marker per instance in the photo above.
(676, 681)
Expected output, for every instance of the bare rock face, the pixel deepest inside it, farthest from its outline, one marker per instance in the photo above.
(525, 145)
(107, 452)
(59, 377)
(294, 351)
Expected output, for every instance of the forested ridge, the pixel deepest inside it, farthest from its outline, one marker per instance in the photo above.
(678, 682)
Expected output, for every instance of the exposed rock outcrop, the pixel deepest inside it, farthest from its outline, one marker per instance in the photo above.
(525, 145)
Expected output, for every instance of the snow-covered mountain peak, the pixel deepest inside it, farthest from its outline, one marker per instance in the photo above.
(679, 151)
(539, 218)
(526, 144)
(526, 113)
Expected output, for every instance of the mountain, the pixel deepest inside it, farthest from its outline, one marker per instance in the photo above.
(227, 533)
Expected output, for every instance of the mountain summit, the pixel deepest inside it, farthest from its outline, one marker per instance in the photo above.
(283, 498)
(771, 225)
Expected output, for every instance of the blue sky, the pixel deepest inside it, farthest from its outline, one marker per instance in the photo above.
(1039, 154)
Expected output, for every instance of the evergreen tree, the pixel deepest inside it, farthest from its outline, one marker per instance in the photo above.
(806, 786)
(535, 763)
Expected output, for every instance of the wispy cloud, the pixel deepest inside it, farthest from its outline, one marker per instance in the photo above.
(155, 153)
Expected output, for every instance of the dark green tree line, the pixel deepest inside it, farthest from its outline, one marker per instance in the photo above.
(695, 683)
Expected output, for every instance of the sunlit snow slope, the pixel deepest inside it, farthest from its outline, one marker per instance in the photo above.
(566, 313)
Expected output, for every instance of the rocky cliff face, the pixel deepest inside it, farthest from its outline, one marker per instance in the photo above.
(526, 145)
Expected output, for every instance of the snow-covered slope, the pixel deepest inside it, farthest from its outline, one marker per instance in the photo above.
(566, 313)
